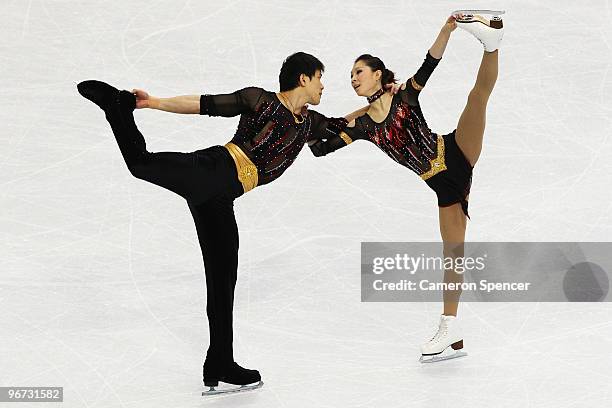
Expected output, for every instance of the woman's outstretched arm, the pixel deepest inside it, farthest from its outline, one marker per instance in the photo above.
(416, 83)
(438, 47)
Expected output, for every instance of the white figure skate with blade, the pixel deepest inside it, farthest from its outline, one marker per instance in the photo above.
(486, 25)
(446, 344)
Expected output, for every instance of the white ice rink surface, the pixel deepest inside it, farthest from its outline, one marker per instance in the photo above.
(102, 284)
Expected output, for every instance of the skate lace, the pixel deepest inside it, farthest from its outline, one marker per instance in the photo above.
(442, 331)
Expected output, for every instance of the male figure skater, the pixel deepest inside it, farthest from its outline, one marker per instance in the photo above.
(272, 130)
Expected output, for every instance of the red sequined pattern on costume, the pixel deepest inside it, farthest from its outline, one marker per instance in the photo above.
(403, 135)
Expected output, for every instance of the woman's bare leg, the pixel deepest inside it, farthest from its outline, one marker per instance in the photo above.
(471, 126)
(452, 228)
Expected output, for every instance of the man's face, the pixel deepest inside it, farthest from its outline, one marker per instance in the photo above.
(314, 88)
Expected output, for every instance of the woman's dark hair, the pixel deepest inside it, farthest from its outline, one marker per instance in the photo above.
(375, 63)
(296, 65)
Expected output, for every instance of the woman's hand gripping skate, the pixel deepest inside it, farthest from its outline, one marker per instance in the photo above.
(451, 24)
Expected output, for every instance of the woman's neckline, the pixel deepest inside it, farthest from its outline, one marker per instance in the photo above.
(387, 115)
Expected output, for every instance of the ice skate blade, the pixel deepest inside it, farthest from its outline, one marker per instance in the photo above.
(239, 388)
(489, 12)
(442, 357)
(495, 23)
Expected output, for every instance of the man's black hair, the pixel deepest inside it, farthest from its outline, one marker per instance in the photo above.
(295, 65)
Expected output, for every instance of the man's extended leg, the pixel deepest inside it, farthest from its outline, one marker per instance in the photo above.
(195, 176)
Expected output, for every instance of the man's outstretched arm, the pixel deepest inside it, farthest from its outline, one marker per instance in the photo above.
(227, 105)
(177, 104)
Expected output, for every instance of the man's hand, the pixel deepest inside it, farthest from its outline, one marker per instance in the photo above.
(144, 100)
(395, 88)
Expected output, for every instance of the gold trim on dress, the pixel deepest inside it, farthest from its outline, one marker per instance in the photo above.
(247, 171)
(347, 139)
(415, 85)
(438, 164)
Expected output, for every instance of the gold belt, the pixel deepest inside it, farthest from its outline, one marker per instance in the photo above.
(247, 172)
(438, 163)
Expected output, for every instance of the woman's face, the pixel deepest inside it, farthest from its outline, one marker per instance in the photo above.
(364, 81)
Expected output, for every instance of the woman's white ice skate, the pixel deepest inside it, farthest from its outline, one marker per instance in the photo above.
(446, 344)
(486, 25)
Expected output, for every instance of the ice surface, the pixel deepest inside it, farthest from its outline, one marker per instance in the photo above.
(102, 280)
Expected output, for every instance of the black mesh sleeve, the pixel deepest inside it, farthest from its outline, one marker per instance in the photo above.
(327, 134)
(233, 104)
(356, 132)
(415, 84)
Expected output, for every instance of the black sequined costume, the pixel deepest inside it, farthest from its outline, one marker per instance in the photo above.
(405, 136)
(267, 132)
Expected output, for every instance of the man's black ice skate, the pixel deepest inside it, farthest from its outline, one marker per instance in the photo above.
(126, 100)
(100, 93)
(238, 379)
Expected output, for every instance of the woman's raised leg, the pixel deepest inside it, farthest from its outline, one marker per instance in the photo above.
(471, 126)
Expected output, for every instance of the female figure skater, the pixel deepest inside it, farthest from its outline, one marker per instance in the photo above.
(395, 123)
(273, 128)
